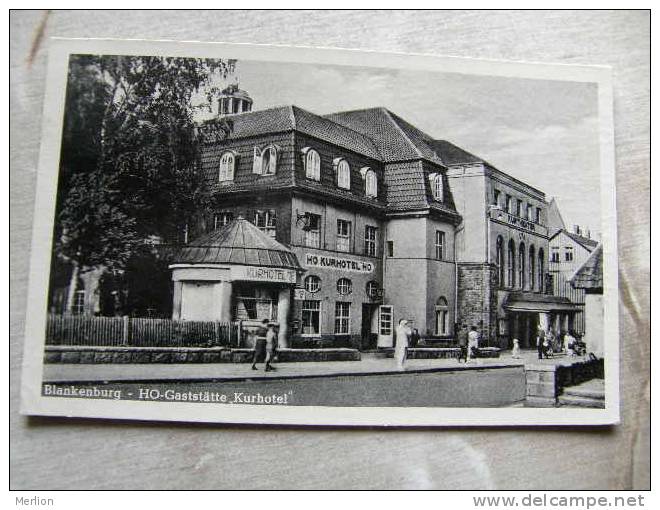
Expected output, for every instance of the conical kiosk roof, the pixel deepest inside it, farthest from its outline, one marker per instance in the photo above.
(239, 242)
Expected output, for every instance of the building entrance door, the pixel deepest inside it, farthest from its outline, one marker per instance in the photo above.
(369, 331)
(385, 326)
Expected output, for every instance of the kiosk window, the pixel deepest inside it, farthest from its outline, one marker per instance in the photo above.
(311, 317)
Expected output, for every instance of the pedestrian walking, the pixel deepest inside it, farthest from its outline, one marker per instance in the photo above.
(540, 340)
(402, 341)
(515, 352)
(462, 337)
(414, 338)
(271, 345)
(260, 344)
(473, 343)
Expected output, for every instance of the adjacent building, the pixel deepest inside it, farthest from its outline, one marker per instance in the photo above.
(589, 279)
(568, 251)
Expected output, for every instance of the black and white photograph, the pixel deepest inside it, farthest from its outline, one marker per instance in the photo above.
(243, 234)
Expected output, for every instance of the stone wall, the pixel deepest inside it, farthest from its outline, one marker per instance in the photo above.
(546, 382)
(124, 355)
(477, 299)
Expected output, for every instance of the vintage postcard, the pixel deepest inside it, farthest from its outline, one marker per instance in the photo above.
(259, 234)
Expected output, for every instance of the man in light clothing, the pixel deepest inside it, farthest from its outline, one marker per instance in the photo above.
(403, 333)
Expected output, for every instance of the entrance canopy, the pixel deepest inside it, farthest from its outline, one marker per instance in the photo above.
(543, 303)
(239, 242)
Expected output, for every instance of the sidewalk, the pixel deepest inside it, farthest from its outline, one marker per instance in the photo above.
(242, 371)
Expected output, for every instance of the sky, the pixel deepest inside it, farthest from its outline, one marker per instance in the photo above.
(542, 132)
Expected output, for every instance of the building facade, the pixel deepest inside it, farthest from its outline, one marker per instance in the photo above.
(386, 223)
(502, 249)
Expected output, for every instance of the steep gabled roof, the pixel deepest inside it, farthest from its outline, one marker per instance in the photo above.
(555, 221)
(590, 274)
(396, 139)
(585, 242)
(238, 242)
(452, 154)
(293, 118)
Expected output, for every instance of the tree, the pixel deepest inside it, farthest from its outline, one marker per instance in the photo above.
(129, 157)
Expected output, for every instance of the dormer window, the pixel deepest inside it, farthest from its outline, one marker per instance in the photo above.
(343, 174)
(437, 186)
(370, 183)
(265, 161)
(227, 164)
(312, 162)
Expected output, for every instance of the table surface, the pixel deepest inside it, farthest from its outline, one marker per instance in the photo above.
(79, 453)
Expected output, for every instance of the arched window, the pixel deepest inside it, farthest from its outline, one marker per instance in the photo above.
(371, 184)
(269, 161)
(521, 266)
(532, 268)
(312, 283)
(500, 261)
(343, 174)
(441, 316)
(438, 188)
(312, 165)
(541, 268)
(344, 286)
(226, 172)
(511, 264)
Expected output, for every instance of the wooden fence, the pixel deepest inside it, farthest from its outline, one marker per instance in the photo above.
(139, 332)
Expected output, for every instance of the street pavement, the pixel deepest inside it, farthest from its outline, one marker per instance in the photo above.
(241, 371)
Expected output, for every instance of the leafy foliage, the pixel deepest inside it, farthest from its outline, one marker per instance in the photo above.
(128, 167)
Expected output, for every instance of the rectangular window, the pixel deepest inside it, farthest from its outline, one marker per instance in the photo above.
(342, 318)
(266, 221)
(311, 317)
(385, 320)
(509, 204)
(79, 302)
(554, 255)
(343, 235)
(313, 230)
(370, 236)
(496, 197)
(538, 215)
(569, 253)
(390, 248)
(530, 211)
(439, 245)
(221, 219)
(519, 204)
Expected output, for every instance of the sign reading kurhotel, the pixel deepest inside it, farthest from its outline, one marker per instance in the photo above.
(263, 274)
(340, 263)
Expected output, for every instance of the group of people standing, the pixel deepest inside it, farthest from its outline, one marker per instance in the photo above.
(548, 343)
(468, 341)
